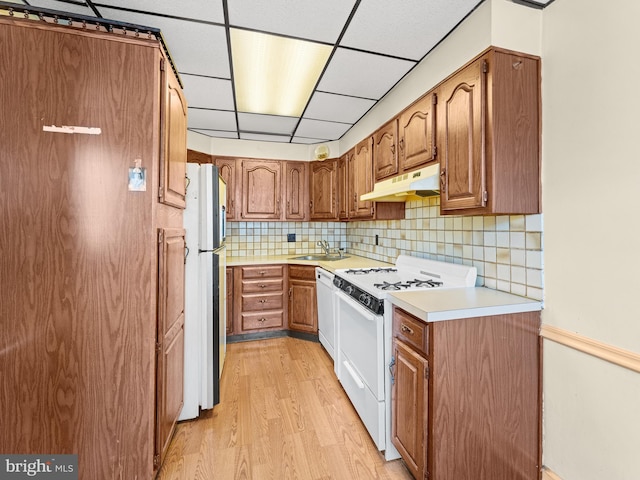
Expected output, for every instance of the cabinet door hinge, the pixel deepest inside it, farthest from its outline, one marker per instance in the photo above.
(435, 151)
(161, 193)
(434, 99)
(156, 461)
(160, 236)
(485, 66)
(485, 196)
(426, 372)
(158, 347)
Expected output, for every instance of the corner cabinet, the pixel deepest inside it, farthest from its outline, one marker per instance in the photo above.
(323, 185)
(452, 379)
(488, 137)
(173, 161)
(303, 310)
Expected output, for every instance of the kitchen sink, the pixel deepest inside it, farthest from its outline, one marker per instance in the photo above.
(322, 258)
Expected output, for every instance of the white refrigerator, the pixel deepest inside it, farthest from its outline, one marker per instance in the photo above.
(205, 289)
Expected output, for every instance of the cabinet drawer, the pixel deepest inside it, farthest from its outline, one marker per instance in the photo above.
(262, 302)
(302, 272)
(254, 321)
(411, 330)
(263, 271)
(260, 286)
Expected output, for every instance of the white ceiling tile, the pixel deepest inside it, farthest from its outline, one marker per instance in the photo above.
(337, 108)
(311, 19)
(408, 30)
(62, 6)
(362, 74)
(211, 119)
(195, 48)
(265, 138)
(320, 129)
(215, 133)
(210, 10)
(251, 122)
(206, 92)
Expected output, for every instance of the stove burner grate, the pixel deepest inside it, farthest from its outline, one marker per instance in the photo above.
(390, 286)
(424, 283)
(365, 271)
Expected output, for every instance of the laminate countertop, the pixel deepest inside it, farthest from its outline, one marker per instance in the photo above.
(457, 303)
(353, 261)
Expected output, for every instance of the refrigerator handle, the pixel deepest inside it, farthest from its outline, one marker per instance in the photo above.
(223, 221)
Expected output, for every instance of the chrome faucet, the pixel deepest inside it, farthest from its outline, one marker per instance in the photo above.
(324, 245)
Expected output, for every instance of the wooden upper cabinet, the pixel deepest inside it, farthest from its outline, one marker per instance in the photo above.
(173, 165)
(261, 190)
(323, 186)
(343, 189)
(489, 136)
(360, 170)
(461, 135)
(228, 169)
(385, 150)
(296, 191)
(417, 133)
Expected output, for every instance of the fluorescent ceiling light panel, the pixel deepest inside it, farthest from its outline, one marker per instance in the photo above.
(275, 75)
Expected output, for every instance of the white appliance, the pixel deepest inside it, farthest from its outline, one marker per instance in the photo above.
(364, 327)
(205, 289)
(326, 317)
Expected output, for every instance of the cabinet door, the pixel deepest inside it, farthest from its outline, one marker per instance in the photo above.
(323, 178)
(461, 130)
(385, 152)
(261, 191)
(409, 406)
(170, 336)
(343, 190)
(417, 133)
(173, 164)
(303, 310)
(229, 298)
(296, 192)
(360, 170)
(228, 170)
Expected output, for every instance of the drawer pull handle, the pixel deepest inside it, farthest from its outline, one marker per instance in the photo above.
(263, 301)
(263, 272)
(262, 285)
(262, 319)
(406, 329)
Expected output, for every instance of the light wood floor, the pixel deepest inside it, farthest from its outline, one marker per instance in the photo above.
(283, 415)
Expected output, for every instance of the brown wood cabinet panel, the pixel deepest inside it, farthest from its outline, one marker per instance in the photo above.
(489, 136)
(360, 170)
(261, 190)
(170, 339)
(262, 286)
(228, 169)
(262, 271)
(173, 165)
(410, 330)
(461, 138)
(409, 423)
(303, 310)
(80, 284)
(417, 133)
(323, 177)
(296, 191)
(229, 299)
(343, 189)
(251, 303)
(385, 150)
(252, 322)
(194, 156)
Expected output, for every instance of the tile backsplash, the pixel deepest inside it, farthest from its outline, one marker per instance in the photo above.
(506, 249)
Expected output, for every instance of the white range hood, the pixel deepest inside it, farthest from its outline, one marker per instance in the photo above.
(421, 183)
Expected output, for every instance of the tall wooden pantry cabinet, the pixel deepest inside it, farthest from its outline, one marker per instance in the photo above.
(91, 246)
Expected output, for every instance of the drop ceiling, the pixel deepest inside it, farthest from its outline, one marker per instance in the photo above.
(374, 44)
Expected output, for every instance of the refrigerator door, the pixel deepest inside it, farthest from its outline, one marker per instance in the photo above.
(213, 323)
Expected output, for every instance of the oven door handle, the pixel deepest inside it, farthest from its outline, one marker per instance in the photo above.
(353, 374)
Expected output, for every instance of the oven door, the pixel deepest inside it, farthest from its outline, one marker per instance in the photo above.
(360, 362)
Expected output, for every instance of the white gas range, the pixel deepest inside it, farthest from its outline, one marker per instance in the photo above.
(364, 332)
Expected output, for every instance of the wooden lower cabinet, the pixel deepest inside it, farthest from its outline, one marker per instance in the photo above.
(259, 292)
(466, 397)
(303, 311)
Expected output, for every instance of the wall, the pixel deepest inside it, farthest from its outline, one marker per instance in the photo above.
(591, 175)
(506, 250)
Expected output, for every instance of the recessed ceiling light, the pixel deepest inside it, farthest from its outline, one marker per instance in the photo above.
(275, 75)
